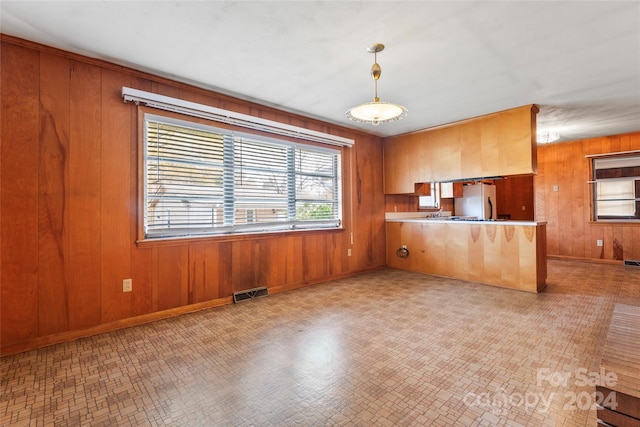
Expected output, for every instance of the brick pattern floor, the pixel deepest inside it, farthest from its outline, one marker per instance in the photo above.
(380, 349)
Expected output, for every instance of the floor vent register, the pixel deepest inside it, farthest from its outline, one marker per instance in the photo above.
(250, 294)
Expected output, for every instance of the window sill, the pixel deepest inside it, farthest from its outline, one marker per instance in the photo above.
(631, 222)
(182, 240)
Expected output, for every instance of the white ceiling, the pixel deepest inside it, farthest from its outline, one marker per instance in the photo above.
(444, 61)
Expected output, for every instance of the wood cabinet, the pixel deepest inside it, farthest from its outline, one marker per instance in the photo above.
(449, 190)
(510, 255)
(498, 144)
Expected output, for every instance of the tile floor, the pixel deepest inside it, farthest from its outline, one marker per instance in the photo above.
(379, 349)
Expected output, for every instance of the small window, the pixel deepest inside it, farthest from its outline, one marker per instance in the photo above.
(201, 180)
(616, 188)
(432, 200)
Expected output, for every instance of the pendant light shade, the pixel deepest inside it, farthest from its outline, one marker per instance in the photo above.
(376, 112)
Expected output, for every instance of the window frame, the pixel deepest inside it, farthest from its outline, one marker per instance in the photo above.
(239, 232)
(615, 173)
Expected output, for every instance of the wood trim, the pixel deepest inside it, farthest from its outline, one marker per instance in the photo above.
(605, 155)
(110, 326)
(49, 340)
(181, 241)
(141, 168)
(617, 223)
(589, 260)
(298, 285)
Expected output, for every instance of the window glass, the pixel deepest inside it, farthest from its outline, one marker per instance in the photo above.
(204, 180)
(616, 198)
(431, 201)
(616, 181)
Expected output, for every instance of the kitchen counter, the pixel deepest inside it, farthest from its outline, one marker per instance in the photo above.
(511, 254)
(466, 221)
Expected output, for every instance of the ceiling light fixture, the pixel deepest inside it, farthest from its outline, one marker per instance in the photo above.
(376, 112)
(545, 137)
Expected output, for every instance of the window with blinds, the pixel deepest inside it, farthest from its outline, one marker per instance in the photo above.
(617, 188)
(203, 180)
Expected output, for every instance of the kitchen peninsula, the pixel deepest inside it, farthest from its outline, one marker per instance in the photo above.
(510, 254)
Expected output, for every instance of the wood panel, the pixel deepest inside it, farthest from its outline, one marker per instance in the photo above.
(313, 262)
(280, 265)
(142, 264)
(442, 153)
(553, 202)
(53, 313)
(539, 182)
(88, 219)
(577, 201)
(244, 272)
(173, 279)
(512, 194)
(115, 214)
(84, 159)
(401, 203)
(401, 164)
(496, 254)
(471, 162)
(205, 273)
(19, 100)
(568, 211)
(565, 175)
(498, 144)
(491, 140)
(368, 209)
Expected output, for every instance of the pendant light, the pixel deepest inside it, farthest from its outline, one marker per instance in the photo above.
(376, 112)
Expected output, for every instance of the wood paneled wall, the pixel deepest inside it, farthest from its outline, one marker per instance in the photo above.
(514, 193)
(68, 208)
(401, 203)
(570, 231)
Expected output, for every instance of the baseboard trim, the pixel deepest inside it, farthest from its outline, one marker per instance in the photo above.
(62, 337)
(590, 260)
(68, 336)
(293, 286)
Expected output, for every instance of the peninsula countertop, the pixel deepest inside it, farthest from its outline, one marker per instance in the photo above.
(424, 218)
(510, 254)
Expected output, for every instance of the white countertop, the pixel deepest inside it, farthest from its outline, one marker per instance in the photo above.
(422, 218)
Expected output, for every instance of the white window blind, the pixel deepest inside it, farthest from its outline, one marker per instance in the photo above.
(202, 180)
(616, 180)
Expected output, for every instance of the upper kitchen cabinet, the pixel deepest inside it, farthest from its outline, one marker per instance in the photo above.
(497, 144)
(450, 190)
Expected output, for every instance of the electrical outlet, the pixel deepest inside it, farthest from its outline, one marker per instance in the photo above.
(127, 285)
(599, 242)
(349, 252)
(555, 187)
